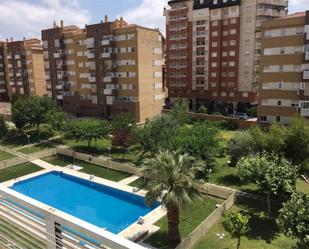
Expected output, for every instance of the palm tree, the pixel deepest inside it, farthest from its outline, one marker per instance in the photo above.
(172, 181)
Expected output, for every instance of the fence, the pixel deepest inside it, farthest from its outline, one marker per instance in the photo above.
(204, 227)
(27, 158)
(103, 162)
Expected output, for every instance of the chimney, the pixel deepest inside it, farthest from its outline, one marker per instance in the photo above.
(7, 39)
(54, 24)
(24, 38)
(61, 24)
(11, 39)
(106, 18)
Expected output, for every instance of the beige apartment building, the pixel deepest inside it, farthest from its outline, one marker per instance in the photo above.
(213, 50)
(284, 87)
(21, 68)
(105, 69)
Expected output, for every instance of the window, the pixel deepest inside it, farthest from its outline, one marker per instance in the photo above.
(278, 118)
(214, 23)
(279, 102)
(264, 118)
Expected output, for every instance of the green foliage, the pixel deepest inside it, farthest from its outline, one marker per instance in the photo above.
(87, 130)
(271, 173)
(240, 146)
(293, 219)
(31, 111)
(229, 124)
(123, 121)
(3, 127)
(172, 179)
(56, 119)
(252, 112)
(297, 142)
(236, 224)
(157, 133)
(201, 140)
(202, 109)
(180, 111)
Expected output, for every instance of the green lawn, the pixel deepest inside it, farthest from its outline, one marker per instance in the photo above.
(190, 218)
(5, 155)
(36, 148)
(88, 168)
(302, 186)
(17, 171)
(263, 233)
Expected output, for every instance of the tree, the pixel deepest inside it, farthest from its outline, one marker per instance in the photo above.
(172, 180)
(240, 146)
(297, 142)
(293, 219)
(272, 174)
(3, 127)
(201, 140)
(123, 127)
(57, 119)
(157, 133)
(180, 111)
(20, 114)
(203, 109)
(87, 130)
(237, 224)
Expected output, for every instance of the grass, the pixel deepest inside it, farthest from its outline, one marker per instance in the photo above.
(18, 171)
(62, 161)
(263, 233)
(302, 186)
(5, 155)
(190, 218)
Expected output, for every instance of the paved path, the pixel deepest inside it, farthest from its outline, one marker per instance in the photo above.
(129, 179)
(43, 164)
(14, 152)
(39, 142)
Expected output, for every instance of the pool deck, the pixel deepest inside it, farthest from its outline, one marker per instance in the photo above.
(132, 232)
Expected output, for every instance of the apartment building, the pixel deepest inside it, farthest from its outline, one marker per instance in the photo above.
(105, 69)
(284, 87)
(213, 50)
(21, 68)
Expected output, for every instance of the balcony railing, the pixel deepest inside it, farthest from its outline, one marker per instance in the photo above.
(306, 75)
(92, 79)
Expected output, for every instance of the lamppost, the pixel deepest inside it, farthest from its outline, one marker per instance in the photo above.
(208, 171)
(28, 138)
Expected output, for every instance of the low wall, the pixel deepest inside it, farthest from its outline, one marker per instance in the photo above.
(101, 161)
(204, 227)
(242, 124)
(26, 158)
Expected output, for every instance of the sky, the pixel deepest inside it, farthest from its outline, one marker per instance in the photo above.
(26, 18)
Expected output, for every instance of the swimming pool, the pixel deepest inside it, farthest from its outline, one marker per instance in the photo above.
(98, 204)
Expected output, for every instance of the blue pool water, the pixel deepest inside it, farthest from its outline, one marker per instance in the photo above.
(97, 204)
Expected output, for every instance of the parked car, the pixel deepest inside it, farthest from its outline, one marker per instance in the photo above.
(241, 115)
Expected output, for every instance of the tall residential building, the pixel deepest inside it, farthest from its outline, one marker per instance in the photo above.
(284, 87)
(105, 69)
(21, 68)
(213, 50)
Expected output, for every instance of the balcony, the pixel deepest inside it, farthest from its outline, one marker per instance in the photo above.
(106, 55)
(56, 55)
(306, 75)
(17, 57)
(2, 82)
(304, 112)
(92, 79)
(109, 91)
(12, 83)
(10, 65)
(108, 79)
(47, 77)
(10, 57)
(19, 83)
(2, 90)
(90, 56)
(307, 56)
(18, 74)
(105, 42)
(48, 86)
(59, 97)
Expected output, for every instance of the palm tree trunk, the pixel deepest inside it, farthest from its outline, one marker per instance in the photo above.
(238, 243)
(173, 229)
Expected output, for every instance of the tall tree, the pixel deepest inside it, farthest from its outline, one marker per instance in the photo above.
(3, 127)
(272, 174)
(237, 224)
(87, 130)
(20, 114)
(293, 219)
(57, 119)
(172, 180)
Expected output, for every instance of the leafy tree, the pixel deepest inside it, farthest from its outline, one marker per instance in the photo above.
(3, 127)
(56, 119)
(237, 224)
(20, 114)
(240, 146)
(203, 109)
(123, 127)
(157, 133)
(272, 174)
(87, 130)
(200, 140)
(297, 142)
(293, 219)
(172, 180)
(180, 111)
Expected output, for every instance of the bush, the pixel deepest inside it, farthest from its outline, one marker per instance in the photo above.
(202, 109)
(229, 124)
